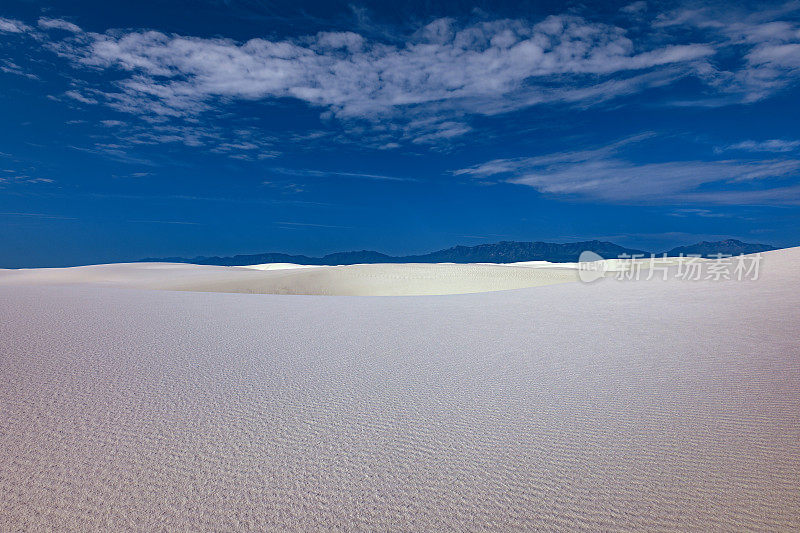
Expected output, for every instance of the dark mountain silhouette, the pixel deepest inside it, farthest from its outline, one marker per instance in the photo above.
(511, 252)
(351, 258)
(727, 247)
(501, 252)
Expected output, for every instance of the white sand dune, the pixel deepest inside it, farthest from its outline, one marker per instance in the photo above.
(649, 405)
(374, 280)
(407, 279)
(280, 266)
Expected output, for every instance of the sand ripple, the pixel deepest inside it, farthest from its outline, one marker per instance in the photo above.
(611, 406)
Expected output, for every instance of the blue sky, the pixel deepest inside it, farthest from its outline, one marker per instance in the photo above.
(135, 129)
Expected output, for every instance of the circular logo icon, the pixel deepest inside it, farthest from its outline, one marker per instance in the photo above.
(591, 266)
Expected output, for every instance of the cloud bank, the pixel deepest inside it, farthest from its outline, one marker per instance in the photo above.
(425, 88)
(604, 174)
(485, 68)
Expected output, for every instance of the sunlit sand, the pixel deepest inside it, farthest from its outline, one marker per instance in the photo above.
(407, 279)
(373, 280)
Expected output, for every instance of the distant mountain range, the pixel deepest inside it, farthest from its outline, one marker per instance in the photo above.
(728, 247)
(501, 252)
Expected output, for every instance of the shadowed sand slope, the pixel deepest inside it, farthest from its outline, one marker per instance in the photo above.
(660, 405)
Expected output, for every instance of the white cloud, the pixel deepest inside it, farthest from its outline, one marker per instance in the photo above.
(602, 174)
(37, 215)
(768, 49)
(635, 7)
(788, 195)
(327, 174)
(9, 67)
(424, 88)
(75, 95)
(703, 213)
(771, 145)
(240, 143)
(58, 24)
(443, 70)
(13, 26)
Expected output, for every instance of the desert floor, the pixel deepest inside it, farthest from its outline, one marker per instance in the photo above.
(640, 405)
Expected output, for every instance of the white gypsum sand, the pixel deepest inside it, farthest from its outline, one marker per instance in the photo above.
(375, 280)
(404, 279)
(649, 405)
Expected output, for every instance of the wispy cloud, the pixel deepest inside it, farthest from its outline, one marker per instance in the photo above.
(307, 224)
(788, 195)
(176, 222)
(121, 138)
(635, 7)
(212, 199)
(13, 26)
(703, 213)
(765, 44)
(304, 172)
(37, 215)
(771, 145)
(75, 95)
(423, 87)
(21, 175)
(9, 67)
(467, 68)
(57, 24)
(605, 174)
(115, 153)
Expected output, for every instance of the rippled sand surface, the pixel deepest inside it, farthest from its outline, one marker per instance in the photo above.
(608, 406)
